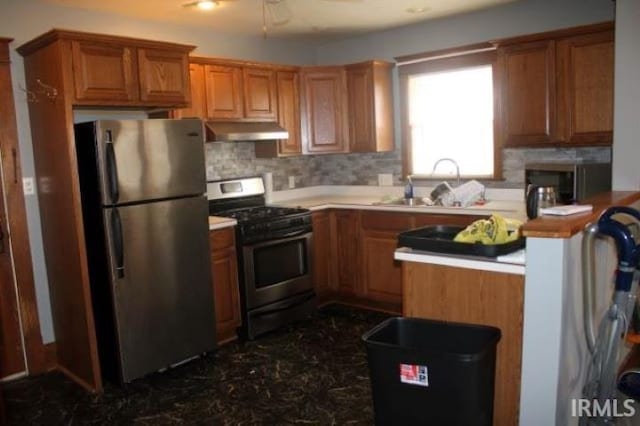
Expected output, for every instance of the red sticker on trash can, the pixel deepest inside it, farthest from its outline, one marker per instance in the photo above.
(414, 374)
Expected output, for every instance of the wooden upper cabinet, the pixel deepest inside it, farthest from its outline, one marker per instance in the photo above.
(288, 100)
(324, 103)
(223, 92)
(289, 111)
(585, 88)
(198, 107)
(234, 92)
(528, 95)
(557, 87)
(260, 88)
(163, 76)
(103, 72)
(370, 106)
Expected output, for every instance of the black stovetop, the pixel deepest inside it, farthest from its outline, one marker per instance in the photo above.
(261, 213)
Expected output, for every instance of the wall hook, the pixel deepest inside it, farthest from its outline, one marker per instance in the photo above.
(31, 96)
(47, 90)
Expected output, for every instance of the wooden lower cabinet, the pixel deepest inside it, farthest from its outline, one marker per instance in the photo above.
(224, 268)
(477, 297)
(354, 254)
(347, 251)
(322, 259)
(381, 273)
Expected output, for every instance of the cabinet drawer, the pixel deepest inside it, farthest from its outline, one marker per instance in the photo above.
(222, 238)
(383, 221)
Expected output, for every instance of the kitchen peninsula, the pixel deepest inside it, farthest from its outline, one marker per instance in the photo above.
(537, 304)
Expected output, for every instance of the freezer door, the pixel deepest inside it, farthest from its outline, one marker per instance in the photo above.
(142, 160)
(161, 283)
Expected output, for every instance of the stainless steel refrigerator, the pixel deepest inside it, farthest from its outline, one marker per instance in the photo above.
(147, 237)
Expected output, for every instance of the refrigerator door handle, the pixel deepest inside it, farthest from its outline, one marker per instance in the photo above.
(118, 243)
(112, 169)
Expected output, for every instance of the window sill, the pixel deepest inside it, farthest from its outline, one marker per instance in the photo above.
(431, 178)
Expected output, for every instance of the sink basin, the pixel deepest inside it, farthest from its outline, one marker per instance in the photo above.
(401, 202)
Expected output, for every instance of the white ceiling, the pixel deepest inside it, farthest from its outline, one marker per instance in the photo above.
(287, 18)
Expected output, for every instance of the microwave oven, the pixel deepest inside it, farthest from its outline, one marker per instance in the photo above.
(573, 182)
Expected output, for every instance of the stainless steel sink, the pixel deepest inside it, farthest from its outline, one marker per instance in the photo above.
(413, 202)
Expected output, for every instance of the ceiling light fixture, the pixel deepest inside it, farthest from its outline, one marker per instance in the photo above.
(207, 4)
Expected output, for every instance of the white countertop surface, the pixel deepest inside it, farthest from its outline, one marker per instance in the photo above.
(513, 209)
(217, 222)
(515, 265)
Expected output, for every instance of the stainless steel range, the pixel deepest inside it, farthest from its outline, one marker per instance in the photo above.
(274, 255)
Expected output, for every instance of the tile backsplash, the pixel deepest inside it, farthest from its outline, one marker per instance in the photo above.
(229, 160)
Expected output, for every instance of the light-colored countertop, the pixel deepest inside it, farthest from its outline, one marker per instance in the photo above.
(508, 264)
(513, 209)
(217, 222)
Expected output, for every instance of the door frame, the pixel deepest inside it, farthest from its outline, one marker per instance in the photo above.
(39, 357)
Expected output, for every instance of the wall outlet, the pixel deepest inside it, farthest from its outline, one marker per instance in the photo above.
(28, 186)
(292, 182)
(385, 179)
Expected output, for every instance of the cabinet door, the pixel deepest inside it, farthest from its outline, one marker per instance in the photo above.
(224, 92)
(347, 251)
(370, 107)
(585, 88)
(260, 93)
(381, 273)
(164, 76)
(103, 72)
(528, 92)
(321, 253)
(324, 102)
(198, 107)
(289, 112)
(225, 283)
(361, 106)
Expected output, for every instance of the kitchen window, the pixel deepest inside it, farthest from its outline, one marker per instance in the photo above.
(449, 111)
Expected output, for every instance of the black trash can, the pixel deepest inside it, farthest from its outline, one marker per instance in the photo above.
(426, 372)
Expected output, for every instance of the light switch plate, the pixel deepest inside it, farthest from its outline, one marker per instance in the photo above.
(292, 182)
(385, 179)
(28, 186)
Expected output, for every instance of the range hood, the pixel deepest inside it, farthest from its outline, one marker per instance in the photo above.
(233, 131)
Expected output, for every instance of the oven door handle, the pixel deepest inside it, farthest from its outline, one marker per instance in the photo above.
(293, 234)
(306, 233)
(298, 301)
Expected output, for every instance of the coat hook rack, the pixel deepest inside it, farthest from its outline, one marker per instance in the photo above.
(46, 90)
(31, 96)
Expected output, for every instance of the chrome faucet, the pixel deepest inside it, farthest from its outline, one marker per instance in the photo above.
(451, 160)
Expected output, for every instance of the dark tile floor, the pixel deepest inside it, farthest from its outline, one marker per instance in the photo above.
(312, 372)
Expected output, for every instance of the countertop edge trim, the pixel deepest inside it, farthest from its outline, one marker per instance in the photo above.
(403, 254)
